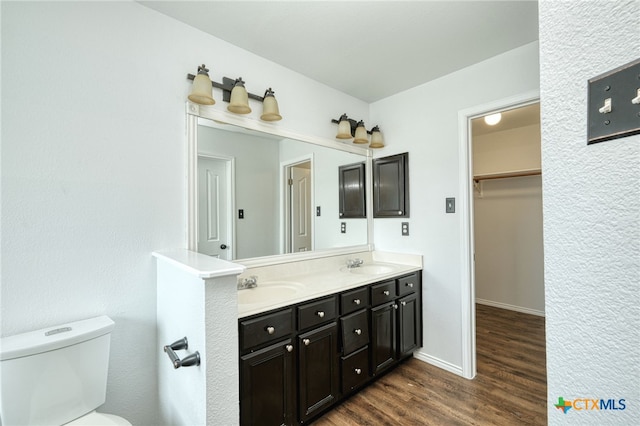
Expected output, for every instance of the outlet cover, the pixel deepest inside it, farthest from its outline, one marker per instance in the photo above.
(405, 228)
(343, 227)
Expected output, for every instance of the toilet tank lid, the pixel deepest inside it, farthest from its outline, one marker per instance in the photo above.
(56, 337)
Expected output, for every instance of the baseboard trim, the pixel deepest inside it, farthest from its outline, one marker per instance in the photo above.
(437, 362)
(510, 307)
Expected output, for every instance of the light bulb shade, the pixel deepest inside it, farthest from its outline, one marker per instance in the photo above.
(202, 90)
(376, 138)
(239, 102)
(493, 119)
(344, 128)
(361, 133)
(270, 111)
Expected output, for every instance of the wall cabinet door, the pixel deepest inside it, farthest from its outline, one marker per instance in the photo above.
(409, 330)
(318, 375)
(391, 186)
(383, 336)
(351, 191)
(267, 386)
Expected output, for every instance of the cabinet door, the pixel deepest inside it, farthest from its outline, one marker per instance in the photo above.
(409, 329)
(383, 336)
(391, 186)
(267, 386)
(318, 370)
(351, 191)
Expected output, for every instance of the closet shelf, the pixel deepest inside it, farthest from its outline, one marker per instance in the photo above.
(503, 175)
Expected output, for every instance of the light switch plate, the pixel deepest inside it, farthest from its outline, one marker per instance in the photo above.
(451, 205)
(317, 210)
(614, 104)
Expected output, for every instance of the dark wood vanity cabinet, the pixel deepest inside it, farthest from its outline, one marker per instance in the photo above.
(351, 191)
(296, 362)
(391, 186)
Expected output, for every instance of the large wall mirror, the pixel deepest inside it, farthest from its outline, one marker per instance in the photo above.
(258, 191)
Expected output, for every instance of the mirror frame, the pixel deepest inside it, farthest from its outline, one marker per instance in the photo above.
(195, 111)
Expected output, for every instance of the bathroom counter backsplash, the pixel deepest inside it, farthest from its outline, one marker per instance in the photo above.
(286, 284)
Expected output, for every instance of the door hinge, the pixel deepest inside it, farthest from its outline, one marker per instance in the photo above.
(290, 182)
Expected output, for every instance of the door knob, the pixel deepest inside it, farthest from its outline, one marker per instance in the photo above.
(223, 246)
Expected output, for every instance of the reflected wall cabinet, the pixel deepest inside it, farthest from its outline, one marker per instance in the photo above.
(351, 181)
(391, 186)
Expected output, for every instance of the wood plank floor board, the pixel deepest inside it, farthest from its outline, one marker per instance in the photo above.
(509, 389)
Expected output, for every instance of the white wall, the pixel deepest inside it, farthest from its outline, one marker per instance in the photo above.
(424, 122)
(509, 261)
(93, 176)
(591, 215)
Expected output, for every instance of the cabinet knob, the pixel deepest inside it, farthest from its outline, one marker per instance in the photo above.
(404, 303)
(289, 348)
(409, 284)
(270, 330)
(400, 212)
(357, 331)
(356, 301)
(306, 342)
(386, 292)
(358, 371)
(320, 314)
(395, 306)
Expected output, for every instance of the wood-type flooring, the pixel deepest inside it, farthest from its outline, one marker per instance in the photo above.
(509, 389)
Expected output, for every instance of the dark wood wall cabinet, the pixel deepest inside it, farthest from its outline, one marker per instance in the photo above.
(351, 191)
(298, 361)
(391, 186)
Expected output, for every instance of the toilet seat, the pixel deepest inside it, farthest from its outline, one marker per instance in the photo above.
(99, 419)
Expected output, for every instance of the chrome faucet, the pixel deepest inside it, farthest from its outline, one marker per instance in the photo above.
(251, 282)
(354, 263)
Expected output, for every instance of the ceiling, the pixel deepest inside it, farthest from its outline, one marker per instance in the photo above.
(367, 49)
(523, 116)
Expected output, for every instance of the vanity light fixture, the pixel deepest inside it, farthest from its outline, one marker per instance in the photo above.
(270, 111)
(202, 90)
(349, 128)
(234, 92)
(493, 119)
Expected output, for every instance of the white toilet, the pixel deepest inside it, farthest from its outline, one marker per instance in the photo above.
(57, 376)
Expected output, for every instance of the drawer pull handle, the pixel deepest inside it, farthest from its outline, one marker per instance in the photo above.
(306, 342)
(409, 285)
(270, 330)
(289, 348)
(358, 371)
(386, 292)
(357, 331)
(404, 303)
(356, 301)
(320, 314)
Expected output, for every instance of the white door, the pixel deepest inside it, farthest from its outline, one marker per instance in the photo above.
(300, 187)
(213, 207)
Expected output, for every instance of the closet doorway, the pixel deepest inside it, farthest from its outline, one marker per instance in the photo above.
(507, 210)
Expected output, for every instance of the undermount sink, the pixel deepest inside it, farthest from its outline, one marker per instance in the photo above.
(269, 291)
(370, 269)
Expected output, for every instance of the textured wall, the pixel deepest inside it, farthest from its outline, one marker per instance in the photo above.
(591, 208)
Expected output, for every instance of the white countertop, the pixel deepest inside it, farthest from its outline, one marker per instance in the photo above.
(200, 265)
(316, 285)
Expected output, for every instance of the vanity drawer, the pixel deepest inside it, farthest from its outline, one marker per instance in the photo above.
(317, 312)
(265, 328)
(383, 292)
(355, 331)
(353, 300)
(355, 370)
(408, 284)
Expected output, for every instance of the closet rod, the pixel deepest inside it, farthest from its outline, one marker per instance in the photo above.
(503, 175)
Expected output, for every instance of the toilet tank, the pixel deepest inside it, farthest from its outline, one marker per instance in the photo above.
(54, 375)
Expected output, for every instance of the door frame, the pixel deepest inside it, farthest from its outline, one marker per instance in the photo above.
(230, 171)
(467, 268)
(285, 216)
